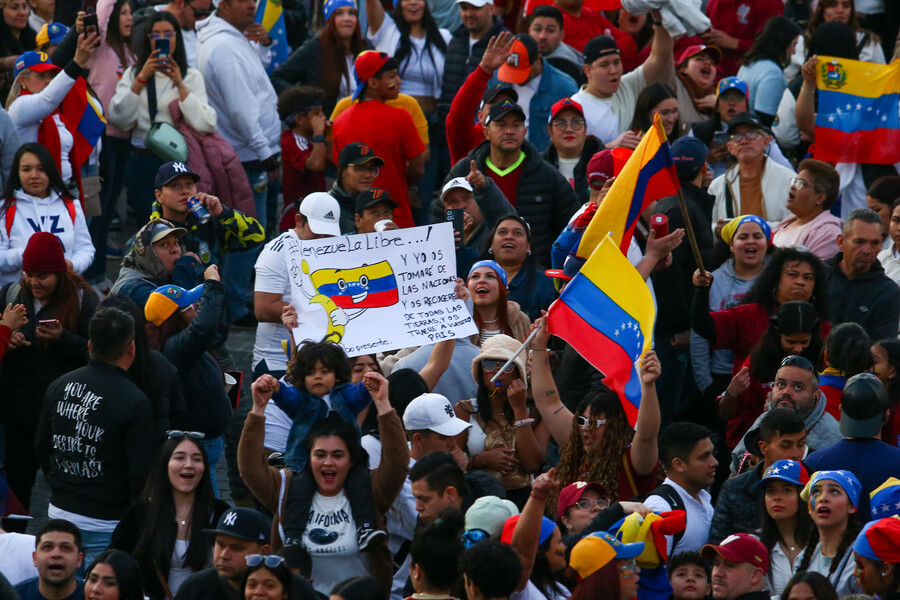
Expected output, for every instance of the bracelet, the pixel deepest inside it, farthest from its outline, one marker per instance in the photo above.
(318, 139)
(524, 422)
(540, 350)
(726, 395)
(141, 81)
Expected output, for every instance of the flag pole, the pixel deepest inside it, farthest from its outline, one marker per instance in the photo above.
(514, 356)
(689, 230)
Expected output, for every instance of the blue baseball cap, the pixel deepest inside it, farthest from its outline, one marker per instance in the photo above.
(732, 83)
(51, 33)
(33, 61)
(492, 264)
(689, 155)
(166, 299)
(791, 471)
(173, 170)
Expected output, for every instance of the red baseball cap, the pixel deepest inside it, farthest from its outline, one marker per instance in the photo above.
(518, 64)
(714, 53)
(600, 167)
(739, 548)
(564, 104)
(367, 65)
(571, 494)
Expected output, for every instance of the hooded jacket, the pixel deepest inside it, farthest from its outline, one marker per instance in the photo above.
(543, 198)
(871, 299)
(49, 214)
(239, 89)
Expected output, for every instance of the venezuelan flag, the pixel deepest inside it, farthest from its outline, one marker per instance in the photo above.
(85, 120)
(270, 14)
(858, 119)
(647, 176)
(606, 313)
(368, 286)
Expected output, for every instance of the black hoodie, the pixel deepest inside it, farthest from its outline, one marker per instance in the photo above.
(871, 299)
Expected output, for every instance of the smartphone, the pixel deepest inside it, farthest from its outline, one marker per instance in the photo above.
(660, 225)
(90, 24)
(163, 45)
(455, 216)
(720, 137)
(89, 6)
(48, 322)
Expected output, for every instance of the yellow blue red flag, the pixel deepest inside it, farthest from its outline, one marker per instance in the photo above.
(270, 14)
(857, 119)
(647, 176)
(606, 313)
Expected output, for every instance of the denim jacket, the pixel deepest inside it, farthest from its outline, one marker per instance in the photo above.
(305, 410)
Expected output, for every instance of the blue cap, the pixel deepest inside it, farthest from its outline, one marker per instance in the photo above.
(166, 299)
(885, 499)
(51, 33)
(33, 61)
(791, 471)
(332, 5)
(173, 170)
(732, 83)
(847, 480)
(689, 155)
(501, 273)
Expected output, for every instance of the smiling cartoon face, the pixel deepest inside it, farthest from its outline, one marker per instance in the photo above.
(368, 286)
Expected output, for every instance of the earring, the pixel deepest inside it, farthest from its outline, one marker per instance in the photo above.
(490, 250)
(528, 253)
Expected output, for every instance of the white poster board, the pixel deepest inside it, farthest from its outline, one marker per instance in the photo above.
(378, 291)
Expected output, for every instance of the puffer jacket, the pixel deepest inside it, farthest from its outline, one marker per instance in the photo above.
(737, 507)
(459, 61)
(217, 164)
(591, 147)
(544, 198)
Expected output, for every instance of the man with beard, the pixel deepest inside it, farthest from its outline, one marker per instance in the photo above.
(740, 564)
(57, 555)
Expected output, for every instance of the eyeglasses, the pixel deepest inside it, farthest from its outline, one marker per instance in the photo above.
(177, 433)
(749, 135)
(795, 360)
(367, 169)
(270, 560)
(732, 97)
(590, 423)
(798, 184)
(490, 366)
(628, 569)
(473, 536)
(588, 503)
(166, 35)
(562, 124)
(200, 14)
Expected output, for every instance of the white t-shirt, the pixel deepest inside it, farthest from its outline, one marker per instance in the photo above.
(601, 121)
(330, 539)
(272, 278)
(531, 592)
(526, 92)
(698, 516)
(278, 426)
(421, 76)
(622, 103)
(177, 571)
(17, 564)
(567, 168)
(82, 522)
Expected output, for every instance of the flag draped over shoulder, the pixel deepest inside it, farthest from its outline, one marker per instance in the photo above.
(606, 313)
(647, 176)
(85, 121)
(270, 14)
(858, 118)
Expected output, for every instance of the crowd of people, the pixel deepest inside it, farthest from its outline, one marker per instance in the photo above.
(159, 163)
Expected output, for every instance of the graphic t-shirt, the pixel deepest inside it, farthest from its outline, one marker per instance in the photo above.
(330, 539)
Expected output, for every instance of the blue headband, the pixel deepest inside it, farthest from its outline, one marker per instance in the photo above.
(730, 229)
(492, 264)
(845, 479)
(333, 5)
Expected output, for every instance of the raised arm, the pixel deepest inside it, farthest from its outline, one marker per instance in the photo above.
(437, 363)
(805, 111)
(644, 449)
(554, 413)
(263, 480)
(527, 534)
(375, 15)
(654, 68)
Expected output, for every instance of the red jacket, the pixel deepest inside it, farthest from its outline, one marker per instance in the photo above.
(591, 23)
(463, 131)
(741, 19)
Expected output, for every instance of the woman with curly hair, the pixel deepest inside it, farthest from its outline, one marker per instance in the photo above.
(596, 441)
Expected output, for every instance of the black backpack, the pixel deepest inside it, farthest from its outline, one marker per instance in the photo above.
(670, 495)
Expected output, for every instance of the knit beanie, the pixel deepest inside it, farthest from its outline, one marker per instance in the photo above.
(44, 254)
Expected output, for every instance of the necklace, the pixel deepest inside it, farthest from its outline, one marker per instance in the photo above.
(494, 321)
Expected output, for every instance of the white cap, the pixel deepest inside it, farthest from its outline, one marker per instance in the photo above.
(476, 3)
(323, 213)
(433, 412)
(456, 182)
(489, 514)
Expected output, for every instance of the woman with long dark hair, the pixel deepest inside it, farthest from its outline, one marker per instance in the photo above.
(763, 63)
(16, 37)
(267, 576)
(809, 584)
(59, 305)
(36, 197)
(112, 576)
(877, 551)
(886, 357)
(494, 313)
(326, 61)
(163, 530)
(170, 78)
(848, 352)
(785, 522)
(605, 568)
(657, 99)
(434, 557)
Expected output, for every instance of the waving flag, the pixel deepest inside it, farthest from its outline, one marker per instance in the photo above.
(647, 176)
(858, 119)
(606, 313)
(270, 14)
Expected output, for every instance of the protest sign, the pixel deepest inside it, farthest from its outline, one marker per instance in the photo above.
(378, 291)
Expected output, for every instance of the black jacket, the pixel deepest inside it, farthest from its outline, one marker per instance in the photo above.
(202, 380)
(737, 507)
(544, 198)
(207, 585)
(459, 63)
(591, 147)
(96, 440)
(26, 371)
(347, 202)
(871, 299)
(673, 286)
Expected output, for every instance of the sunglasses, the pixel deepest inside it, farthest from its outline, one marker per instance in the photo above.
(795, 360)
(591, 423)
(201, 14)
(490, 366)
(177, 433)
(270, 560)
(628, 569)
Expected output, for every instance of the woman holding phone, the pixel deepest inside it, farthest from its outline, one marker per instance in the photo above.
(159, 68)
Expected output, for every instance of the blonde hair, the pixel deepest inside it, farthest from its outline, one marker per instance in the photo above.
(16, 90)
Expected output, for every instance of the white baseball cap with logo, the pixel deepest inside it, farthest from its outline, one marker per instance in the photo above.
(456, 182)
(435, 413)
(323, 213)
(476, 3)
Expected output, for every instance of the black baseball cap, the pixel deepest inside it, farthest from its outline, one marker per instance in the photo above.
(242, 523)
(371, 197)
(863, 403)
(173, 170)
(600, 46)
(501, 109)
(357, 153)
(746, 119)
(498, 88)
